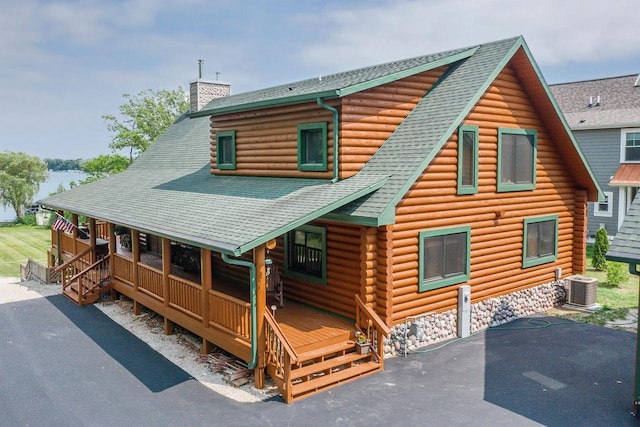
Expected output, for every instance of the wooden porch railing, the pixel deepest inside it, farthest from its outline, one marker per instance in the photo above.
(370, 324)
(280, 356)
(123, 267)
(185, 296)
(150, 280)
(102, 230)
(65, 243)
(230, 314)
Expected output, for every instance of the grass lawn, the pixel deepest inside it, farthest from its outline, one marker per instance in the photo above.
(623, 296)
(18, 244)
(615, 300)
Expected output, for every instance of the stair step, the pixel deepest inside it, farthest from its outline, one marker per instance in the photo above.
(89, 296)
(332, 380)
(343, 346)
(331, 363)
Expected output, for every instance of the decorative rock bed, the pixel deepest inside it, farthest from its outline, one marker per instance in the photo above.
(429, 328)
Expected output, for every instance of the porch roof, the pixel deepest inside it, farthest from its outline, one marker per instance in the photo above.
(625, 247)
(170, 192)
(627, 175)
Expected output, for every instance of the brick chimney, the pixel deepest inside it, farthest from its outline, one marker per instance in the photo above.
(201, 92)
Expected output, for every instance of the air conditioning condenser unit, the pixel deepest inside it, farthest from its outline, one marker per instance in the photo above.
(581, 290)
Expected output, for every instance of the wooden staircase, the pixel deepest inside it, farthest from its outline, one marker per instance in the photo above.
(301, 374)
(84, 282)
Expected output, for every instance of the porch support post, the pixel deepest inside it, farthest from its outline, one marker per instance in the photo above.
(135, 258)
(166, 270)
(112, 255)
(206, 281)
(92, 239)
(261, 302)
(74, 220)
(59, 240)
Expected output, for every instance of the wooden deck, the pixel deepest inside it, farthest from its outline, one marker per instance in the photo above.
(308, 328)
(305, 327)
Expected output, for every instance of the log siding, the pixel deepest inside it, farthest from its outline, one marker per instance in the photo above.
(351, 269)
(496, 219)
(369, 117)
(266, 141)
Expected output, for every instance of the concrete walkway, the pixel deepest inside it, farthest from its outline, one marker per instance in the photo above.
(65, 366)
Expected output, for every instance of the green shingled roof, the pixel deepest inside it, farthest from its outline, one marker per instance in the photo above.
(333, 85)
(417, 140)
(170, 192)
(626, 245)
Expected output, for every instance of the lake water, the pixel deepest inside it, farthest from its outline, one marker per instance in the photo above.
(51, 185)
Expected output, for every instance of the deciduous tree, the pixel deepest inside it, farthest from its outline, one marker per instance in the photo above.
(143, 118)
(20, 179)
(103, 166)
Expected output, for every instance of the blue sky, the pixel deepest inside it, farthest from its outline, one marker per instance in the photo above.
(64, 63)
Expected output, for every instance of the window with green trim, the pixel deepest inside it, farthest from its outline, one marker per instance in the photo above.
(517, 150)
(444, 257)
(312, 147)
(468, 160)
(226, 150)
(540, 244)
(306, 253)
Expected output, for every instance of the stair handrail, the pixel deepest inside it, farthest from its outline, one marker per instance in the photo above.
(74, 259)
(286, 345)
(279, 354)
(365, 314)
(91, 267)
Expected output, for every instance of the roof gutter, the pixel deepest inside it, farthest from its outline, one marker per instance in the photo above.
(335, 138)
(252, 299)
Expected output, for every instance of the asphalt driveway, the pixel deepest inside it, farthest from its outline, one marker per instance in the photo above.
(65, 366)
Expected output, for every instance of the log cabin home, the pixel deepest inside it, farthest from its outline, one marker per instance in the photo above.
(369, 199)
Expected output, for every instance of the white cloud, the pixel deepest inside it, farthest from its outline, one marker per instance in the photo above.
(557, 31)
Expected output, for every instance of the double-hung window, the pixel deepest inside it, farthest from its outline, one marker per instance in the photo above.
(631, 145)
(517, 150)
(604, 207)
(306, 253)
(540, 244)
(468, 160)
(312, 147)
(444, 257)
(226, 149)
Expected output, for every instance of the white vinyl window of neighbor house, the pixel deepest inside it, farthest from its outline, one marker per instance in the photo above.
(604, 207)
(630, 151)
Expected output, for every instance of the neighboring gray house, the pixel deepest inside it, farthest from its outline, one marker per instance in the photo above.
(604, 115)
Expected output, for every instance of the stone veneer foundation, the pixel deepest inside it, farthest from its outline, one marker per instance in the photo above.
(431, 328)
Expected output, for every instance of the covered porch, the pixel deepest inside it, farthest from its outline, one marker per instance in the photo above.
(304, 349)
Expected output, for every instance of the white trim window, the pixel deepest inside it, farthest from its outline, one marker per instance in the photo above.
(630, 145)
(604, 207)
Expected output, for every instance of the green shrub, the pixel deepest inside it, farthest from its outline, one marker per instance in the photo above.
(616, 273)
(29, 219)
(600, 247)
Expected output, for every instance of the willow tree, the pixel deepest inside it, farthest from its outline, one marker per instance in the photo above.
(20, 179)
